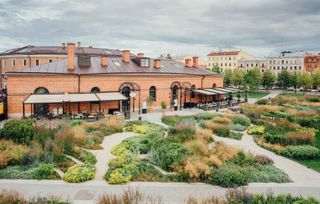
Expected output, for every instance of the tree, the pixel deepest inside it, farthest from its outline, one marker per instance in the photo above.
(253, 79)
(294, 80)
(268, 79)
(227, 77)
(316, 78)
(216, 69)
(305, 80)
(237, 77)
(284, 79)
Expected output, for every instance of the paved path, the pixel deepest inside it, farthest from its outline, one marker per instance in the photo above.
(104, 155)
(89, 192)
(298, 173)
(273, 94)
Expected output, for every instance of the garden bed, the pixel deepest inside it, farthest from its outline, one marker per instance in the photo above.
(288, 126)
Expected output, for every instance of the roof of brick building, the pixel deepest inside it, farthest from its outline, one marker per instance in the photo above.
(59, 50)
(116, 66)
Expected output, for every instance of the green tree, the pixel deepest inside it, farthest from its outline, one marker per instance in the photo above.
(216, 69)
(237, 77)
(268, 79)
(253, 79)
(227, 77)
(316, 78)
(305, 80)
(294, 80)
(284, 79)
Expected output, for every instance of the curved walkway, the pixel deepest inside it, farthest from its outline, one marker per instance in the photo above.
(298, 173)
(104, 155)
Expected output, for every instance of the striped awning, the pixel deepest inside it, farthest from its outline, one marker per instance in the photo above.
(204, 92)
(215, 91)
(74, 97)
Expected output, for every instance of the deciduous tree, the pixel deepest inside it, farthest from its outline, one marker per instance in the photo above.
(305, 80)
(283, 79)
(316, 78)
(268, 79)
(253, 79)
(227, 77)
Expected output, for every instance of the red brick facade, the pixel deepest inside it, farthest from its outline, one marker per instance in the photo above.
(20, 86)
(312, 62)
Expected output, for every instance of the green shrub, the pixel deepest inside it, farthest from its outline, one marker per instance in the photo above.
(302, 152)
(119, 176)
(309, 122)
(236, 135)
(230, 175)
(17, 172)
(237, 127)
(87, 157)
(274, 138)
(183, 131)
(256, 130)
(266, 174)
(313, 99)
(282, 199)
(45, 171)
(19, 131)
(79, 173)
(122, 169)
(142, 127)
(205, 116)
(242, 120)
(119, 149)
(263, 102)
(166, 154)
(222, 132)
(75, 122)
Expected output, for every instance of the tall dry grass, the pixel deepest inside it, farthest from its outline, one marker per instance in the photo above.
(129, 196)
(224, 152)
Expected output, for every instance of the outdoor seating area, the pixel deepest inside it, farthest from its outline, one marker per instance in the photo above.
(217, 98)
(88, 106)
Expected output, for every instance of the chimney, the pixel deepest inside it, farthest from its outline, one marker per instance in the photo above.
(195, 62)
(70, 56)
(79, 45)
(157, 63)
(104, 60)
(187, 63)
(63, 45)
(140, 55)
(126, 56)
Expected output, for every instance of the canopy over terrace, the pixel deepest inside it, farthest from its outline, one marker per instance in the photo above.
(73, 98)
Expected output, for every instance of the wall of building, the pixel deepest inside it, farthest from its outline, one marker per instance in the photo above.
(21, 86)
(226, 61)
(246, 64)
(312, 62)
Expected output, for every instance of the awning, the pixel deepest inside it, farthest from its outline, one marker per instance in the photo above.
(216, 91)
(74, 97)
(89, 97)
(235, 90)
(225, 90)
(111, 96)
(204, 92)
(44, 98)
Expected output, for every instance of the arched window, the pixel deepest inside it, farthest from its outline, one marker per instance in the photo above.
(193, 94)
(214, 85)
(153, 93)
(95, 90)
(41, 90)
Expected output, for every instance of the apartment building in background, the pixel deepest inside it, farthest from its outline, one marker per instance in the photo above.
(291, 61)
(226, 59)
(311, 62)
(249, 63)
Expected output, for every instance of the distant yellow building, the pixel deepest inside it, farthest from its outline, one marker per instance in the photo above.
(226, 59)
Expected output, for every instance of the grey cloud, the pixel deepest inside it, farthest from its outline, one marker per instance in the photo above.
(181, 26)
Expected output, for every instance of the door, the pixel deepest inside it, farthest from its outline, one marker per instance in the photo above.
(41, 109)
(126, 104)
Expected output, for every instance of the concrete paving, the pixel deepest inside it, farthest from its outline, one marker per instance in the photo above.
(89, 192)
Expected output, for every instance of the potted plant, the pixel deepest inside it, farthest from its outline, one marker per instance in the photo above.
(150, 102)
(163, 106)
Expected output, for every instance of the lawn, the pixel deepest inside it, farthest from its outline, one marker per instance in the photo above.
(253, 95)
(295, 95)
(312, 164)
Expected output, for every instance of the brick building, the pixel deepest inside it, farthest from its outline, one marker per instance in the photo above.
(106, 82)
(311, 62)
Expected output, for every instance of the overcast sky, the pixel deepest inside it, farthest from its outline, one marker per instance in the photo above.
(164, 26)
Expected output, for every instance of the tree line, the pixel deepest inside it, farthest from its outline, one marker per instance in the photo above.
(253, 79)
